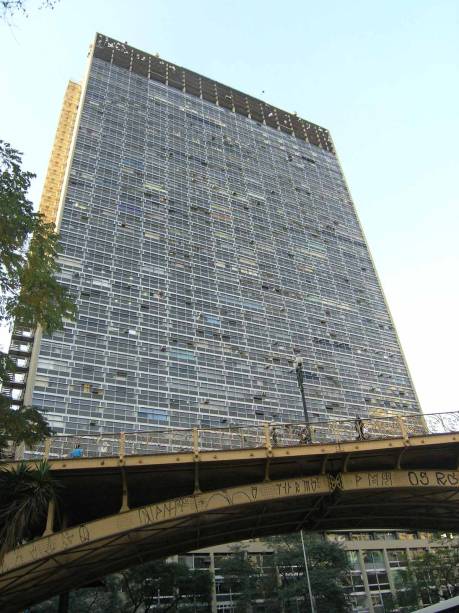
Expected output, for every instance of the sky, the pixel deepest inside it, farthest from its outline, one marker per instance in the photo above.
(381, 76)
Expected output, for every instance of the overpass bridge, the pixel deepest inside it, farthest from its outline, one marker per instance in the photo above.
(137, 496)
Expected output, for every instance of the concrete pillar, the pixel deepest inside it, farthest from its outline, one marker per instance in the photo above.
(393, 589)
(213, 586)
(365, 581)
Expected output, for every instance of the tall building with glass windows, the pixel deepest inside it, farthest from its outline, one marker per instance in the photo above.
(209, 239)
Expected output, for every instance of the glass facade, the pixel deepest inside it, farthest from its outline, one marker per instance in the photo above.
(206, 251)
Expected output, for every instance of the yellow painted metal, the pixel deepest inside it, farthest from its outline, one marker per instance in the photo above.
(125, 493)
(206, 502)
(229, 455)
(369, 495)
(50, 518)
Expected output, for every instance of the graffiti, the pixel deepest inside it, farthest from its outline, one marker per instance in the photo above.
(83, 533)
(164, 510)
(372, 480)
(449, 478)
(46, 546)
(209, 502)
(50, 546)
(202, 502)
(67, 538)
(434, 478)
(335, 482)
(297, 486)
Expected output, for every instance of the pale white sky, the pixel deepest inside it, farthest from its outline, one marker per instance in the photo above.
(383, 77)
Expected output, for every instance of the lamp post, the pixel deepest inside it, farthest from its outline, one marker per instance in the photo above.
(300, 378)
(311, 596)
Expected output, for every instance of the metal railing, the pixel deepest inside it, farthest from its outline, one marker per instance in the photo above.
(263, 435)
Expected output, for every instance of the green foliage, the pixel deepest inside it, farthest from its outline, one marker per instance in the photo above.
(23, 425)
(142, 588)
(29, 291)
(26, 493)
(328, 566)
(248, 581)
(281, 584)
(6, 367)
(431, 576)
(143, 585)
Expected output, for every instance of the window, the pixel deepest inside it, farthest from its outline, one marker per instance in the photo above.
(387, 536)
(373, 559)
(157, 415)
(213, 320)
(182, 354)
(201, 561)
(360, 536)
(378, 581)
(353, 558)
(397, 557)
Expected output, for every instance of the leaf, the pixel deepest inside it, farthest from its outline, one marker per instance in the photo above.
(26, 493)
(29, 290)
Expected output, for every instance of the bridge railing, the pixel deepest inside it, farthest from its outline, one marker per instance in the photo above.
(267, 435)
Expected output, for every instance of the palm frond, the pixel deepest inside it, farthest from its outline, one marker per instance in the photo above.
(26, 491)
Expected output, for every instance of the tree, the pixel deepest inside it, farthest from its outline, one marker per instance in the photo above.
(328, 567)
(432, 576)
(26, 494)
(12, 7)
(281, 583)
(143, 586)
(23, 425)
(248, 581)
(160, 586)
(29, 291)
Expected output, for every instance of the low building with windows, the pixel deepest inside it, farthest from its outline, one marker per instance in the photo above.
(377, 561)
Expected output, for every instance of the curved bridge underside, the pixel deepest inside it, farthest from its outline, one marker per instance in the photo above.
(404, 484)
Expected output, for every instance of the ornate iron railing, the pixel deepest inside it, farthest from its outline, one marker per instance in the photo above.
(267, 435)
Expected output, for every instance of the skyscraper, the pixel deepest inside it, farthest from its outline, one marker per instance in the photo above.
(209, 239)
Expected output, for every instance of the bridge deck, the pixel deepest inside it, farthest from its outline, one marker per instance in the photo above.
(182, 501)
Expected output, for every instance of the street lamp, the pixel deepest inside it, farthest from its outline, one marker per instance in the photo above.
(300, 378)
(311, 595)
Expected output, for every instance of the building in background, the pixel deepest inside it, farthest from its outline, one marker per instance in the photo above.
(209, 239)
(377, 579)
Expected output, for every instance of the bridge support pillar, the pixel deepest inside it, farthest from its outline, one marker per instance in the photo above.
(196, 489)
(402, 425)
(195, 435)
(125, 494)
(267, 466)
(50, 518)
(269, 449)
(365, 582)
